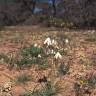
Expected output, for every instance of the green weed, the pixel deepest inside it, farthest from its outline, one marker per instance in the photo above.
(48, 90)
(23, 78)
(63, 69)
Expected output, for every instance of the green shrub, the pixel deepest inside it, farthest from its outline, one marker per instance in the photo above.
(31, 56)
(5, 57)
(91, 39)
(25, 52)
(48, 90)
(23, 78)
(35, 51)
(63, 69)
(85, 85)
(32, 51)
(43, 62)
(92, 81)
(25, 62)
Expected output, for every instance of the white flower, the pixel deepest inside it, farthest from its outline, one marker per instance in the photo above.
(35, 45)
(58, 56)
(39, 46)
(39, 56)
(66, 49)
(93, 31)
(54, 42)
(48, 41)
(66, 41)
(52, 52)
(2, 60)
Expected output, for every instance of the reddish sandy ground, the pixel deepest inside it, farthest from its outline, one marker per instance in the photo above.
(14, 38)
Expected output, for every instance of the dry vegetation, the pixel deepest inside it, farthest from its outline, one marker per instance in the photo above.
(27, 69)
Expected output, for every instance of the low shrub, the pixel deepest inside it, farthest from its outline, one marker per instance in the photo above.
(23, 78)
(48, 90)
(63, 69)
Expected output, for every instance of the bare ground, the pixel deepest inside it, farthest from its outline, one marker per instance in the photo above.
(14, 38)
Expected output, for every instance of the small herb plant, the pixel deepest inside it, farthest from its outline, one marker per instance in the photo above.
(25, 62)
(4, 57)
(93, 60)
(85, 85)
(33, 51)
(23, 78)
(92, 81)
(48, 90)
(91, 38)
(63, 69)
(29, 56)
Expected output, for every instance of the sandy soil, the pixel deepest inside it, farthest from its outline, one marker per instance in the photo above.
(14, 38)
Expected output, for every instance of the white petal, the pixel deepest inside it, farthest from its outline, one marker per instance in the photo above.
(35, 45)
(47, 40)
(54, 42)
(49, 43)
(66, 41)
(58, 55)
(39, 55)
(52, 51)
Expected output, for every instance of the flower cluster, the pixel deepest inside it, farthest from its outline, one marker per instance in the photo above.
(50, 42)
(51, 50)
(66, 41)
(58, 56)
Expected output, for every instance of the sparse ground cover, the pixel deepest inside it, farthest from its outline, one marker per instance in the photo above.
(38, 61)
